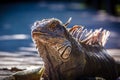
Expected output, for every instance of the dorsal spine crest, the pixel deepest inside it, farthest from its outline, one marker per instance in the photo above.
(89, 37)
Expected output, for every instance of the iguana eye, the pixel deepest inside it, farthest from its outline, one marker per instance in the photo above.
(53, 24)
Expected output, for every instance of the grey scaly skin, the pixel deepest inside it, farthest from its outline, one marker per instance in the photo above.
(67, 59)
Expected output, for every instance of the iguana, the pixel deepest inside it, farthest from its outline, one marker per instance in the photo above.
(75, 53)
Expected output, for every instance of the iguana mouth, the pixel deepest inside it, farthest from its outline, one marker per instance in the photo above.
(37, 40)
(38, 33)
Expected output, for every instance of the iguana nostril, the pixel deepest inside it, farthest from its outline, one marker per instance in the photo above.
(35, 30)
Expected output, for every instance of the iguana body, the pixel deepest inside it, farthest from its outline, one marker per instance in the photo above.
(68, 56)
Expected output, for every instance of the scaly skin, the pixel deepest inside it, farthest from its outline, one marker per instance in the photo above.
(67, 59)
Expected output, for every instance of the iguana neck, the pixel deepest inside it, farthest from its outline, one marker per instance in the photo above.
(71, 69)
(51, 71)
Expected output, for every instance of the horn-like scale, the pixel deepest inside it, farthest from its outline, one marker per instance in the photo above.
(68, 22)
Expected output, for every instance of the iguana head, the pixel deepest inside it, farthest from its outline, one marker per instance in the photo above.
(51, 38)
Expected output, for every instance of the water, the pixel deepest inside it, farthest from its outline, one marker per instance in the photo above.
(16, 21)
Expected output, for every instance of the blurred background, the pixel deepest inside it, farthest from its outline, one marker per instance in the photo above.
(17, 17)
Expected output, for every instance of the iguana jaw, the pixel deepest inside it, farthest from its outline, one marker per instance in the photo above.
(60, 45)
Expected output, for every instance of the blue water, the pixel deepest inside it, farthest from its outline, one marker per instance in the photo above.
(18, 18)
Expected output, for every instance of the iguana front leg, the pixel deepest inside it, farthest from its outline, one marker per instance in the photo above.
(33, 74)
